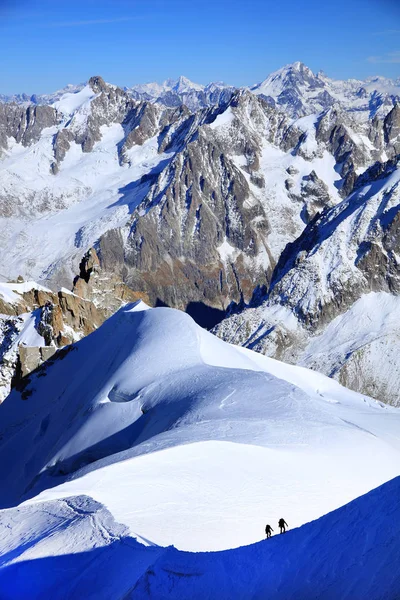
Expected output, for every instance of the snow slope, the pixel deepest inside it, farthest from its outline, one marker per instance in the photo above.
(72, 548)
(188, 440)
(360, 348)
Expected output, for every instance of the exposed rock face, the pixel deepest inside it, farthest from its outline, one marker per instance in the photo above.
(392, 130)
(104, 291)
(197, 205)
(347, 253)
(174, 247)
(30, 358)
(348, 250)
(24, 125)
(212, 216)
(314, 194)
(56, 319)
(61, 145)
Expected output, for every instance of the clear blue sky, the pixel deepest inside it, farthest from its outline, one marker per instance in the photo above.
(47, 44)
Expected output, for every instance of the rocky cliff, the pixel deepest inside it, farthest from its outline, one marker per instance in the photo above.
(35, 322)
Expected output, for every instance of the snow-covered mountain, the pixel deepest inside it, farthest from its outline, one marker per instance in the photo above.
(155, 90)
(171, 93)
(333, 300)
(273, 211)
(296, 89)
(118, 396)
(197, 446)
(183, 91)
(202, 208)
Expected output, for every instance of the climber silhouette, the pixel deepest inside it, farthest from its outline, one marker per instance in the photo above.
(282, 524)
(268, 530)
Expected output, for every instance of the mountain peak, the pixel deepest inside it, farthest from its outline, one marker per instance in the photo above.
(184, 84)
(97, 84)
(298, 66)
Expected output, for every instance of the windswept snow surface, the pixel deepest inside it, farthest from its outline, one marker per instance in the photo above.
(73, 548)
(188, 440)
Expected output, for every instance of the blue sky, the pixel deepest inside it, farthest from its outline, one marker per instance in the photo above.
(47, 44)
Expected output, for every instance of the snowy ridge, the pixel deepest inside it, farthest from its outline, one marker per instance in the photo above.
(11, 292)
(142, 431)
(73, 548)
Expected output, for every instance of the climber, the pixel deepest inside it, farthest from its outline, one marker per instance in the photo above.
(268, 530)
(282, 524)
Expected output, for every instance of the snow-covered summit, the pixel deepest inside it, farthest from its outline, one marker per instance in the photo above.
(183, 84)
(150, 409)
(299, 91)
(180, 85)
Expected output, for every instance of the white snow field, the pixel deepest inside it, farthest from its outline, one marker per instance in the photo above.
(153, 423)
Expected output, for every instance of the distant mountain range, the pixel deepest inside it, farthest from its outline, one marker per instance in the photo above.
(294, 88)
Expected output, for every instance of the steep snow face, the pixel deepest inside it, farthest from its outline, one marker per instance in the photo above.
(188, 440)
(346, 554)
(71, 101)
(73, 531)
